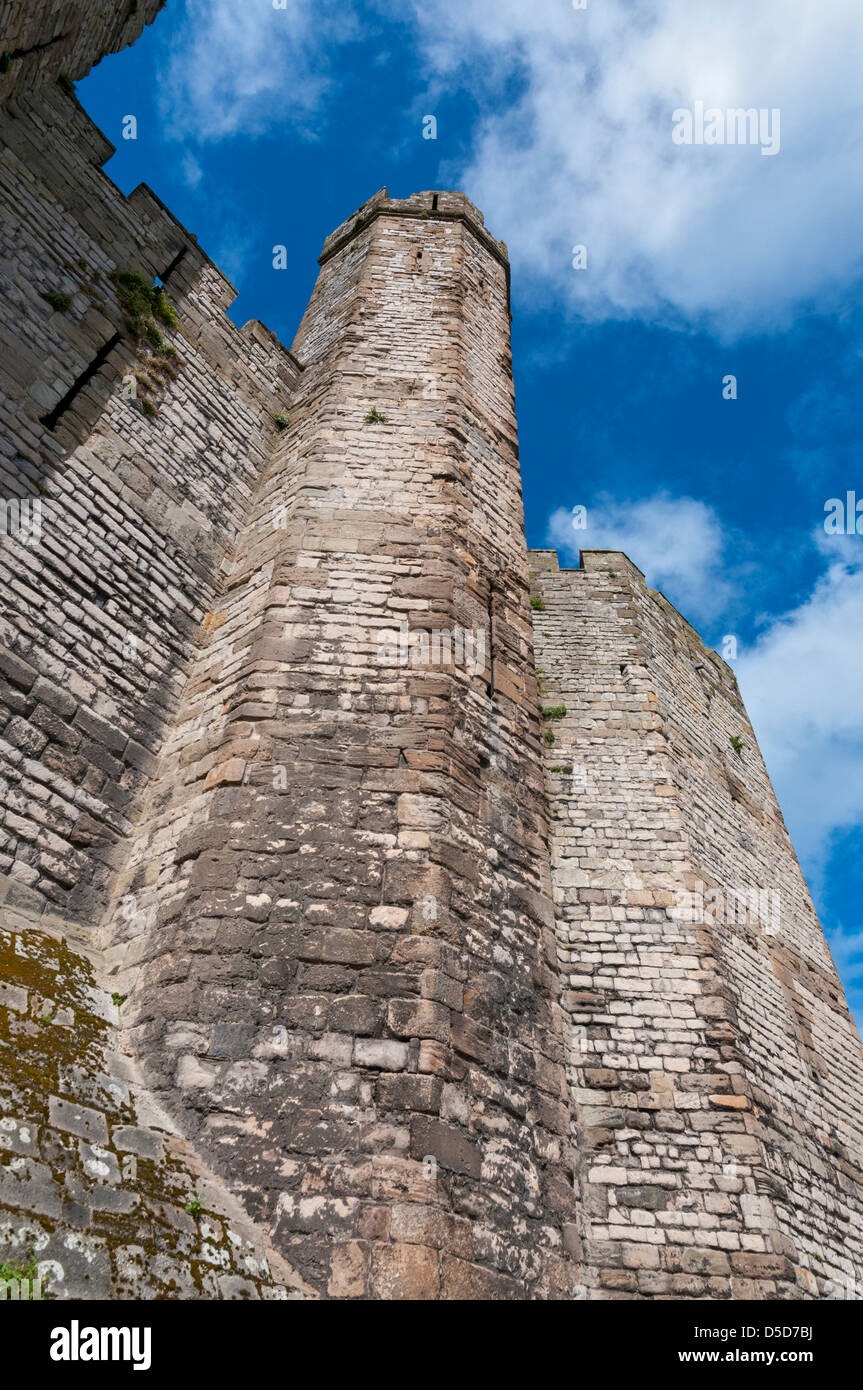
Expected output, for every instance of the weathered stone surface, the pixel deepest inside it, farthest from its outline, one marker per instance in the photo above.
(352, 855)
(110, 1203)
(698, 1035)
(44, 39)
(318, 914)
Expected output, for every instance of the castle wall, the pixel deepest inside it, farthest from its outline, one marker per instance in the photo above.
(720, 1150)
(117, 524)
(293, 866)
(136, 500)
(42, 39)
(339, 962)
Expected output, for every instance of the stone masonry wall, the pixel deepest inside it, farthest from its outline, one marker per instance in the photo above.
(719, 1132)
(42, 39)
(801, 1050)
(119, 520)
(292, 864)
(338, 954)
(391, 1015)
(137, 499)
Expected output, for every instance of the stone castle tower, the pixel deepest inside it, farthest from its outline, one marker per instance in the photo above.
(337, 959)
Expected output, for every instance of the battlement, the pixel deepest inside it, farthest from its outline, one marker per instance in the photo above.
(442, 206)
(611, 562)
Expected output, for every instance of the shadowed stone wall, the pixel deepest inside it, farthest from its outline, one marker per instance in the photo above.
(42, 39)
(133, 502)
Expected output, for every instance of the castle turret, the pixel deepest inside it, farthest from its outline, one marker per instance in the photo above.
(347, 987)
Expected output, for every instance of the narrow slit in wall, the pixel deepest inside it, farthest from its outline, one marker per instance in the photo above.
(491, 641)
(50, 420)
(18, 53)
(173, 266)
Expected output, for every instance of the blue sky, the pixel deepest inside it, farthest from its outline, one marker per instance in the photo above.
(261, 125)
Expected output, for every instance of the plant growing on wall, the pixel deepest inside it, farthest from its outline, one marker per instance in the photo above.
(18, 1270)
(147, 310)
(60, 302)
(143, 304)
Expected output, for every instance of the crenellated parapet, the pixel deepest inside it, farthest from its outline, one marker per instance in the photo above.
(132, 449)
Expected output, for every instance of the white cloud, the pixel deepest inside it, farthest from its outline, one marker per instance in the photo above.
(678, 543)
(192, 171)
(243, 66)
(583, 154)
(844, 547)
(802, 685)
(575, 144)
